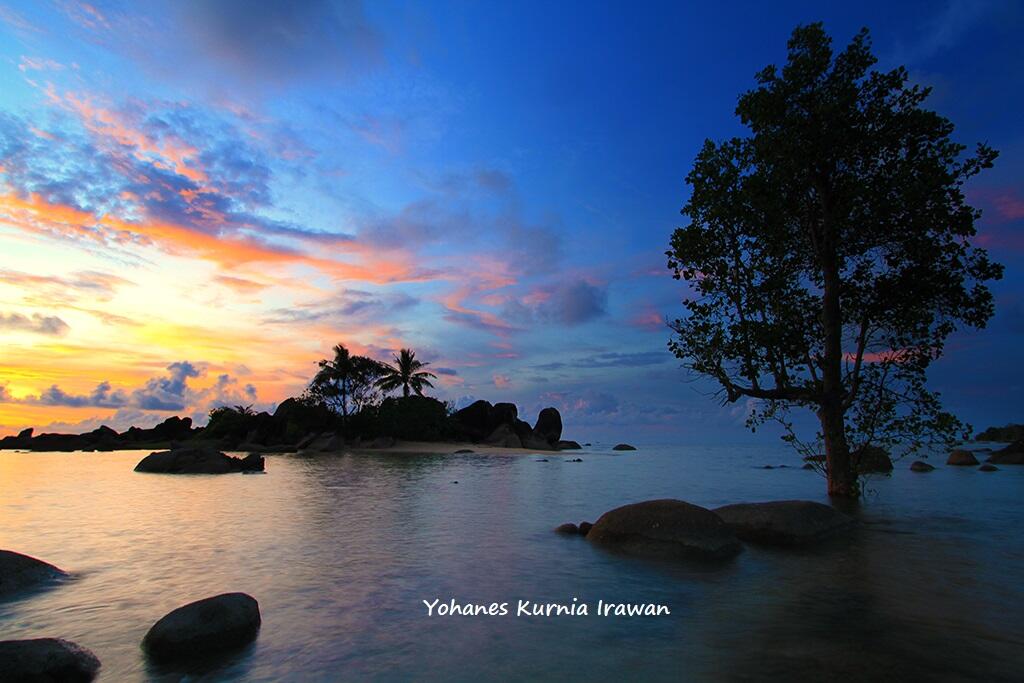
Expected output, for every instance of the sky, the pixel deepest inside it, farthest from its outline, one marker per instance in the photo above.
(199, 199)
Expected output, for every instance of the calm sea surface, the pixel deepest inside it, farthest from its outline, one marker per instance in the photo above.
(341, 551)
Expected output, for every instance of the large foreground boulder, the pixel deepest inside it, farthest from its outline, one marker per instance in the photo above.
(1011, 455)
(205, 627)
(665, 528)
(783, 522)
(46, 660)
(198, 460)
(872, 460)
(20, 572)
(549, 426)
(961, 458)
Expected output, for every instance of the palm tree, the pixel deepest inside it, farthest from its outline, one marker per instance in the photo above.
(346, 383)
(407, 372)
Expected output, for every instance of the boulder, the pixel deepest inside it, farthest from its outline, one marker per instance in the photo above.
(46, 660)
(568, 528)
(872, 459)
(988, 468)
(1011, 455)
(381, 442)
(665, 528)
(475, 420)
(585, 528)
(549, 425)
(534, 442)
(568, 446)
(22, 440)
(784, 522)
(961, 458)
(198, 460)
(623, 447)
(20, 572)
(921, 466)
(205, 627)
(504, 437)
(504, 413)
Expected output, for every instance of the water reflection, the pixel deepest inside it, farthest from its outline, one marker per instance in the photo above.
(340, 552)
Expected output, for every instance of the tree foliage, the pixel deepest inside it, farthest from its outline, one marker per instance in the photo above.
(345, 383)
(828, 253)
(407, 373)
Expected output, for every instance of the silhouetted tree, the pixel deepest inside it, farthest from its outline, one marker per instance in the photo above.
(407, 372)
(345, 383)
(828, 254)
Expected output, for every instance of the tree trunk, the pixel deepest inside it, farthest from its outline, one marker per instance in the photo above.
(842, 478)
(405, 390)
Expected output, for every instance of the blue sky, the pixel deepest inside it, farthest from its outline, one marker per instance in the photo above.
(200, 198)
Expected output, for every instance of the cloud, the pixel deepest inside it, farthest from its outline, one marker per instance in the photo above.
(611, 359)
(567, 303)
(345, 305)
(944, 29)
(281, 40)
(502, 381)
(39, 324)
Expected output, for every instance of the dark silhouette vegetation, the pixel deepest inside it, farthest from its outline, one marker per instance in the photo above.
(828, 256)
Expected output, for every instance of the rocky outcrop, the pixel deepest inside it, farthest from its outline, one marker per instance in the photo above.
(921, 466)
(568, 446)
(623, 447)
(665, 528)
(504, 437)
(20, 572)
(475, 420)
(569, 529)
(1011, 455)
(585, 528)
(198, 461)
(46, 660)
(784, 522)
(961, 458)
(205, 627)
(549, 426)
(872, 460)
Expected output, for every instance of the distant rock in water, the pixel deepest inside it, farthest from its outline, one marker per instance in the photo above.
(807, 466)
(568, 529)
(198, 460)
(585, 528)
(549, 426)
(988, 468)
(921, 466)
(464, 450)
(20, 572)
(623, 447)
(1011, 455)
(872, 460)
(205, 627)
(665, 528)
(783, 522)
(46, 660)
(961, 458)
(568, 446)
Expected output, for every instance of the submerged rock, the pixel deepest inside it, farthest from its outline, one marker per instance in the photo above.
(198, 460)
(205, 627)
(1011, 455)
(783, 522)
(961, 458)
(46, 660)
(20, 572)
(568, 528)
(921, 466)
(988, 468)
(665, 528)
(623, 447)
